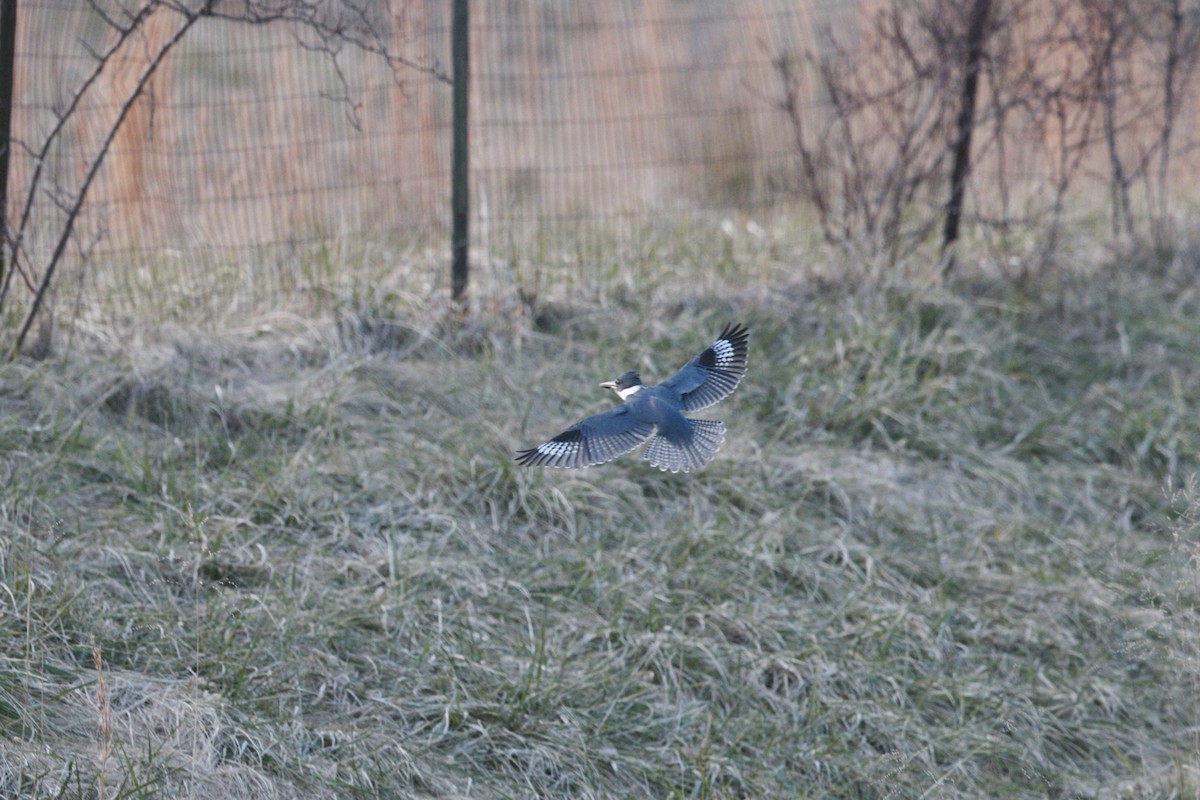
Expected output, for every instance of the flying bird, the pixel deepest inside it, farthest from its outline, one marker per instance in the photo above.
(655, 413)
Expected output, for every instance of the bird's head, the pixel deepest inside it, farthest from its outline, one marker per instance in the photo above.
(625, 385)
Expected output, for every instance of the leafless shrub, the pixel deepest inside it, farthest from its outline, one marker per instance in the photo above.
(140, 38)
(1140, 57)
(1172, 37)
(1070, 92)
(1095, 88)
(880, 149)
(1041, 123)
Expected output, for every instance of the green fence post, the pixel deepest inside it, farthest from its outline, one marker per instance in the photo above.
(460, 205)
(8, 47)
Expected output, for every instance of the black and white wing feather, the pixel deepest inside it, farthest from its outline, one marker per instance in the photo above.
(713, 375)
(595, 440)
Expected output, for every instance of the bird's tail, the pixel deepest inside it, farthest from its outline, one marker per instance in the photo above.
(688, 452)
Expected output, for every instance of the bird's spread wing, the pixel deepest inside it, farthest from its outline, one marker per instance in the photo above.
(711, 376)
(595, 440)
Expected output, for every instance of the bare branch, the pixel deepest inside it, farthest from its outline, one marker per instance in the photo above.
(79, 198)
(316, 17)
(52, 137)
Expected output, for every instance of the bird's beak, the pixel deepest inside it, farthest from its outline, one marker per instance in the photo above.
(609, 385)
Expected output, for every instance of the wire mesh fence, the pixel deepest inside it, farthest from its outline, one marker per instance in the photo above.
(257, 138)
(260, 146)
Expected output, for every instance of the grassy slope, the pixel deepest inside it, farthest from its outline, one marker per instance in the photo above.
(944, 553)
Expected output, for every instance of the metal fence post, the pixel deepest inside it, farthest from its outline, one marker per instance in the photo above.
(976, 30)
(459, 191)
(8, 47)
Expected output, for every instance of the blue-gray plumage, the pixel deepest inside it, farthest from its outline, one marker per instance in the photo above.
(655, 413)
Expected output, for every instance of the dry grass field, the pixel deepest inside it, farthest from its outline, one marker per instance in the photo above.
(948, 550)
(261, 532)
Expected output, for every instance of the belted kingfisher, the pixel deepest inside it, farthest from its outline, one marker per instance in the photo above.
(655, 413)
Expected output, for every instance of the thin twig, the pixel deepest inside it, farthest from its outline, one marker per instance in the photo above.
(42, 156)
(68, 226)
